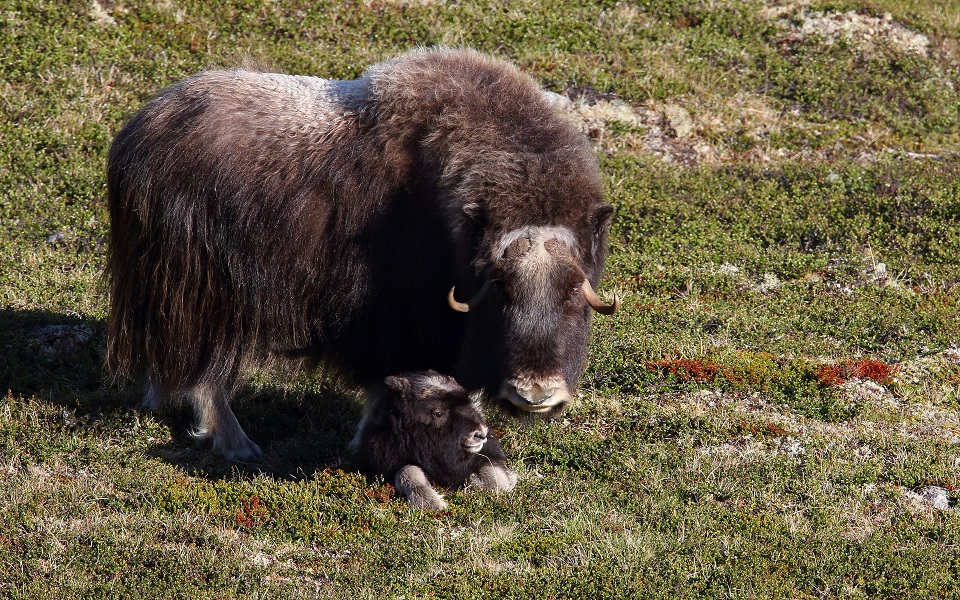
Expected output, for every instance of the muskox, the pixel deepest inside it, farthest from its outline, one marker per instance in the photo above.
(436, 213)
(422, 428)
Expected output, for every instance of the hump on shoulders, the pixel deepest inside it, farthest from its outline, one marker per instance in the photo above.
(272, 96)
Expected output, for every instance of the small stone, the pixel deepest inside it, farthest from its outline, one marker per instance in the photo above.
(792, 446)
(60, 342)
(935, 496)
(728, 269)
(770, 283)
(952, 354)
(56, 238)
(680, 120)
(557, 101)
(98, 12)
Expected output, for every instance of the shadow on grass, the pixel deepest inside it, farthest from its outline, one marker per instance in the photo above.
(54, 356)
(300, 431)
(58, 358)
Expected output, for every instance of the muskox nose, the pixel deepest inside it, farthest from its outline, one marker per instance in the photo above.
(538, 394)
(474, 441)
(535, 396)
(480, 434)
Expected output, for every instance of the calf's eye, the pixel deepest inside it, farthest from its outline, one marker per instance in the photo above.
(438, 414)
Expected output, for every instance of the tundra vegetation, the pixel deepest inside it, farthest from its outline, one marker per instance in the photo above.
(775, 410)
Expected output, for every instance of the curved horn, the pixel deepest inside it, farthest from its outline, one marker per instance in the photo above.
(470, 304)
(595, 302)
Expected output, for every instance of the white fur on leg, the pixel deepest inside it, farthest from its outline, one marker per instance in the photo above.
(216, 422)
(495, 478)
(412, 482)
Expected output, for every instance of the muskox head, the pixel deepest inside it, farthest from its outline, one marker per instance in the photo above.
(520, 186)
(531, 313)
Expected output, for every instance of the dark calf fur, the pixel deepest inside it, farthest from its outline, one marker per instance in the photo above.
(422, 428)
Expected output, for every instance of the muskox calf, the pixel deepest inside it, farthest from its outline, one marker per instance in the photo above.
(423, 428)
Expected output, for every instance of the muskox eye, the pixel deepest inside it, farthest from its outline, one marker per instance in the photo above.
(438, 414)
(574, 292)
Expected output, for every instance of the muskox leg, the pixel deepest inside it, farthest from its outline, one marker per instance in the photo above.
(495, 478)
(412, 482)
(217, 423)
(155, 398)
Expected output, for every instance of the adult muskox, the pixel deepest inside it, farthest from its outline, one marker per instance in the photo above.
(256, 215)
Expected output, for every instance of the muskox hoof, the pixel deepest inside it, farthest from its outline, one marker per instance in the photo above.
(218, 424)
(233, 446)
(495, 478)
(238, 450)
(412, 482)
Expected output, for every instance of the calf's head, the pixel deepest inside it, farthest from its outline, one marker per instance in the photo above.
(439, 408)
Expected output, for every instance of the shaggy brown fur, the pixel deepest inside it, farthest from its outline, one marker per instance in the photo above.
(422, 428)
(256, 215)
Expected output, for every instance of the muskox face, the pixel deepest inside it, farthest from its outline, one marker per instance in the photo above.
(533, 313)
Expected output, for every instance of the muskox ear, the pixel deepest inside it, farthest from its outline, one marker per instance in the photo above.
(599, 224)
(474, 215)
(600, 219)
(400, 385)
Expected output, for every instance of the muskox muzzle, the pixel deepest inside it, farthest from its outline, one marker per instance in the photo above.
(541, 394)
(536, 396)
(473, 441)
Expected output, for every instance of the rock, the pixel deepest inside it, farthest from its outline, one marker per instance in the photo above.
(864, 32)
(556, 100)
(937, 497)
(60, 342)
(680, 120)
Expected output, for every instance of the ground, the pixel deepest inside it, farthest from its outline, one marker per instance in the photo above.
(775, 412)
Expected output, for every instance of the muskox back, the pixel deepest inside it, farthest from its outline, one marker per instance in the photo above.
(236, 205)
(258, 215)
(422, 428)
(252, 217)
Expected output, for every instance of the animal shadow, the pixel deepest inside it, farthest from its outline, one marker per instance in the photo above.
(58, 357)
(300, 429)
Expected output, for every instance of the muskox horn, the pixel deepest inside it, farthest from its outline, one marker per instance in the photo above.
(595, 302)
(470, 304)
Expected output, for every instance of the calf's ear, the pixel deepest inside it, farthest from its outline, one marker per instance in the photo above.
(398, 384)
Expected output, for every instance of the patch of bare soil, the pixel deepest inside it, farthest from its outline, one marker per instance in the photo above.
(690, 132)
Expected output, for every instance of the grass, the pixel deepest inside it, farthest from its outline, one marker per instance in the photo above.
(759, 420)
